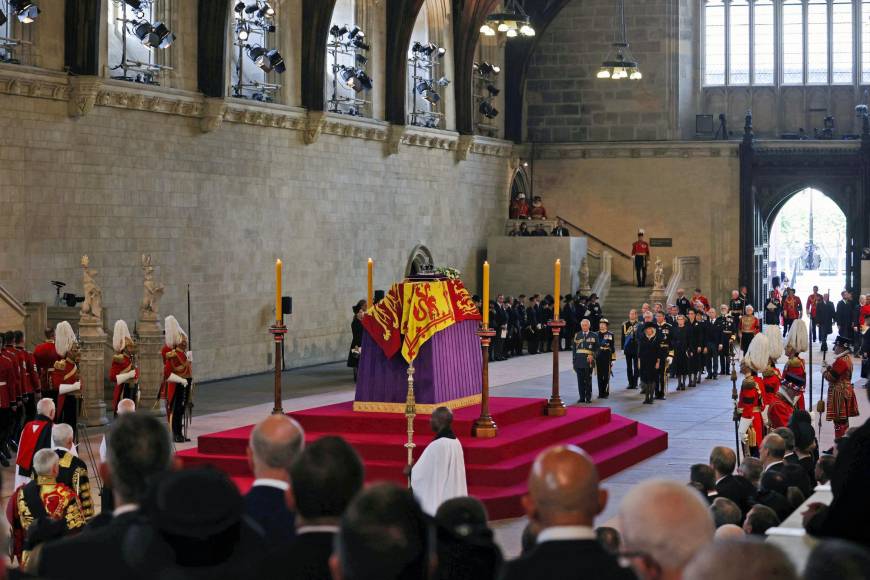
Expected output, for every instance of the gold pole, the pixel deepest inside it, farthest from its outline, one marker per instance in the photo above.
(410, 414)
(555, 406)
(278, 330)
(484, 426)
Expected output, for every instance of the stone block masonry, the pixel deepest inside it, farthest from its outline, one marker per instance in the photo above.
(215, 210)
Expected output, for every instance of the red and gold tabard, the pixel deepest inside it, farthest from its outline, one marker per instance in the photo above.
(640, 248)
(791, 306)
(750, 403)
(65, 372)
(841, 395)
(771, 379)
(58, 501)
(749, 324)
(122, 363)
(412, 312)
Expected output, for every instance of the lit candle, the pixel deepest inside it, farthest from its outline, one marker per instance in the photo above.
(370, 296)
(279, 312)
(557, 283)
(485, 302)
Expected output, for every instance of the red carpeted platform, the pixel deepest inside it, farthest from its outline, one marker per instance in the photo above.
(496, 469)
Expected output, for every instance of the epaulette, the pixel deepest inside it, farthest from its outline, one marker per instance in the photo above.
(119, 357)
(748, 383)
(768, 372)
(60, 365)
(172, 353)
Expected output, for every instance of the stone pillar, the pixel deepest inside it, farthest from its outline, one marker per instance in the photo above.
(92, 369)
(149, 343)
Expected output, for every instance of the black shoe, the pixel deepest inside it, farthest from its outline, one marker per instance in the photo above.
(632, 387)
(648, 402)
(178, 439)
(660, 397)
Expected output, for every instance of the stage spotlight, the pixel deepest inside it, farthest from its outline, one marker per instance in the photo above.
(362, 82)
(251, 9)
(486, 68)
(347, 75)
(144, 31)
(422, 87)
(239, 7)
(338, 31)
(493, 90)
(432, 97)
(487, 110)
(487, 30)
(164, 34)
(244, 32)
(418, 48)
(361, 59)
(356, 31)
(440, 52)
(267, 10)
(25, 10)
(443, 82)
(359, 43)
(270, 28)
(274, 61)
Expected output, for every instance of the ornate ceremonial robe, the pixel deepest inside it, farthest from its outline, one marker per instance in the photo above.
(772, 379)
(750, 404)
(74, 474)
(439, 474)
(122, 363)
(36, 435)
(796, 366)
(43, 497)
(841, 395)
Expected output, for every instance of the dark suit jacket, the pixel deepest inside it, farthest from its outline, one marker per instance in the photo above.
(739, 490)
(97, 550)
(266, 506)
(568, 560)
(307, 557)
(775, 467)
(775, 501)
(847, 516)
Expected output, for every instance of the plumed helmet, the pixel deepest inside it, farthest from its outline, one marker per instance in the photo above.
(797, 339)
(758, 353)
(774, 341)
(64, 338)
(173, 332)
(120, 336)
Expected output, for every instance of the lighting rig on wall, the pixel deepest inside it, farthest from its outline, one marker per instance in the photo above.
(25, 12)
(425, 58)
(485, 93)
(253, 22)
(512, 21)
(135, 15)
(619, 62)
(348, 48)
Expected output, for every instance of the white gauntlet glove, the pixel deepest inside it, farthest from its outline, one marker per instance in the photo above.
(743, 429)
(64, 389)
(814, 417)
(189, 355)
(124, 377)
(173, 378)
(765, 416)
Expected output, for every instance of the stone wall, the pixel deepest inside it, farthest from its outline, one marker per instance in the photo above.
(688, 192)
(216, 209)
(525, 265)
(565, 102)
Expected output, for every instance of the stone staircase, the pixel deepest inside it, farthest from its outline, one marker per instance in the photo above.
(621, 298)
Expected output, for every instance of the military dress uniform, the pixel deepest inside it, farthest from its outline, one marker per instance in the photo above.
(649, 355)
(736, 308)
(725, 327)
(748, 328)
(750, 405)
(604, 360)
(640, 251)
(666, 354)
(841, 403)
(795, 366)
(66, 372)
(33, 386)
(683, 305)
(585, 347)
(42, 498)
(177, 393)
(73, 472)
(629, 349)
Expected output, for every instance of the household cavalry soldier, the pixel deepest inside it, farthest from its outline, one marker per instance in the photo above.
(177, 376)
(750, 403)
(585, 350)
(629, 347)
(124, 373)
(640, 252)
(770, 376)
(65, 382)
(33, 386)
(797, 342)
(737, 308)
(666, 355)
(605, 357)
(748, 328)
(841, 394)
(649, 359)
(45, 356)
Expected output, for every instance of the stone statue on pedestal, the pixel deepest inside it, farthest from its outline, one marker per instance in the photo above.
(584, 276)
(92, 307)
(659, 276)
(152, 292)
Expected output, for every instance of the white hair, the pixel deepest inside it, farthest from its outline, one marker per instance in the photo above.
(45, 407)
(61, 434)
(45, 461)
(126, 406)
(666, 520)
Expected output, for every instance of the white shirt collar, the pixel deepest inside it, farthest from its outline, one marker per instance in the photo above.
(772, 464)
(721, 478)
(124, 509)
(557, 533)
(268, 482)
(316, 530)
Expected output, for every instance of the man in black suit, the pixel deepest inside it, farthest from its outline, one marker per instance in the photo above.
(734, 487)
(846, 315)
(326, 476)
(275, 443)
(702, 477)
(562, 502)
(138, 449)
(771, 452)
(664, 524)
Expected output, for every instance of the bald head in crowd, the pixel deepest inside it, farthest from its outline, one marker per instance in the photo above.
(772, 449)
(756, 560)
(45, 407)
(729, 532)
(563, 489)
(723, 461)
(667, 522)
(126, 406)
(275, 443)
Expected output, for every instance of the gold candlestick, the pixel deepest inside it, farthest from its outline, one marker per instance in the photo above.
(484, 426)
(555, 406)
(278, 330)
(410, 414)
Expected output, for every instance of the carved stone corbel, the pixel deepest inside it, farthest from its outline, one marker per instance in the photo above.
(83, 95)
(394, 139)
(463, 147)
(213, 110)
(314, 124)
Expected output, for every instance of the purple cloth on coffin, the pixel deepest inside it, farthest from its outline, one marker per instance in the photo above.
(448, 367)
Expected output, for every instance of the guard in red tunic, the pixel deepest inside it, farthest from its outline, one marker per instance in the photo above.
(33, 386)
(841, 394)
(7, 384)
(177, 375)
(124, 373)
(36, 435)
(640, 251)
(750, 403)
(45, 356)
(64, 376)
(792, 309)
(519, 209)
(797, 342)
(785, 402)
(748, 327)
(771, 376)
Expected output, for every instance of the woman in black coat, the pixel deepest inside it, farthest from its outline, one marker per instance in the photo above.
(680, 344)
(356, 329)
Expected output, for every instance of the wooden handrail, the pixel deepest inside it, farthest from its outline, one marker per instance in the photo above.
(596, 238)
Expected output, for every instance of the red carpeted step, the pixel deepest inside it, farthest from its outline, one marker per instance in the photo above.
(233, 465)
